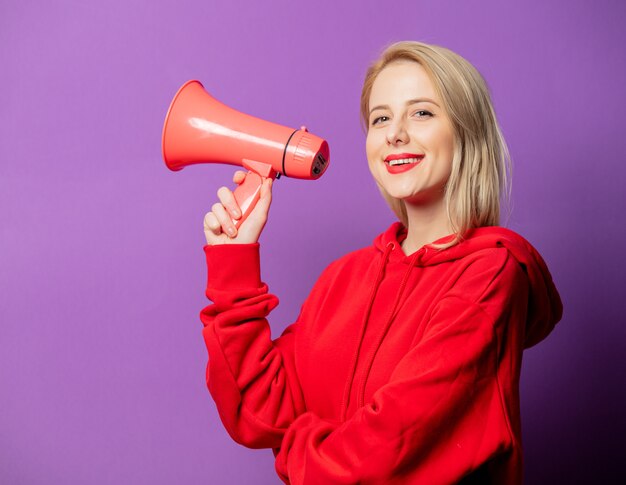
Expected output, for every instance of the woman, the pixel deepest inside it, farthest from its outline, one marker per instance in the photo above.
(403, 366)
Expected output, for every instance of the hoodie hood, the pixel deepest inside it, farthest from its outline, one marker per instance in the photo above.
(544, 303)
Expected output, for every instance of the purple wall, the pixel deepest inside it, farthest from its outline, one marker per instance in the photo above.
(102, 271)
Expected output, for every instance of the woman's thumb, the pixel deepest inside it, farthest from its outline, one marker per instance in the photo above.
(265, 195)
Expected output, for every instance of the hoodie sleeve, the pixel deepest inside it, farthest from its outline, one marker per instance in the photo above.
(450, 404)
(251, 378)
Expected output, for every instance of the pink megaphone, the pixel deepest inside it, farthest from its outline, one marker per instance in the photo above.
(200, 129)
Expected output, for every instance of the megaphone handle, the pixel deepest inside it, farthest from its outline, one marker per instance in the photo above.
(247, 194)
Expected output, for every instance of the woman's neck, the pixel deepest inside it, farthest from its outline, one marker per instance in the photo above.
(426, 224)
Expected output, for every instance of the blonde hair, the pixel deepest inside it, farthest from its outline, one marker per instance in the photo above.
(481, 164)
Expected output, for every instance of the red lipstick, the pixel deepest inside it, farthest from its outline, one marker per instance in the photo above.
(403, 167)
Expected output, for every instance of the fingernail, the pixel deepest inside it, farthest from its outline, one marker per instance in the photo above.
(231, 231)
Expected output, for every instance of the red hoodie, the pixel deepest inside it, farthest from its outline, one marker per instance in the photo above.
(399, 369)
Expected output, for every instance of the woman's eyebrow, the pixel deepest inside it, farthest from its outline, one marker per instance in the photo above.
(410, 101)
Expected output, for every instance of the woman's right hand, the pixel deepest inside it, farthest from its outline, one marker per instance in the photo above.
(218, 224)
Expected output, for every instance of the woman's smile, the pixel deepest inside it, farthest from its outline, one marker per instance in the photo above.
(402, 162)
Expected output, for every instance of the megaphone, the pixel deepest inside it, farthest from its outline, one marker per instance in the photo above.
(200, 129)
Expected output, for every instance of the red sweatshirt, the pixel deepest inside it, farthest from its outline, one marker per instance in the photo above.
(399, 369)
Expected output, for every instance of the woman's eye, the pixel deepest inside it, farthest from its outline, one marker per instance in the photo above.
(380, 119)
(422, 113)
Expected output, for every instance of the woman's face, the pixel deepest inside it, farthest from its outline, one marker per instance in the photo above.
(410, 140)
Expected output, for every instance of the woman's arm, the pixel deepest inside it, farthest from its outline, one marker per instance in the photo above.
(449, 408)
(251, 378)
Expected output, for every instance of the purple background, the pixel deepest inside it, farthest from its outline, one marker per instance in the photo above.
(101, 265)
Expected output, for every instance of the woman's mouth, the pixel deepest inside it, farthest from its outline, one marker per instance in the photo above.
(402, 162)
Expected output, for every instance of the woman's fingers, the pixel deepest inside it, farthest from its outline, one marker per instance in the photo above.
(224, 219)
(219, 225)
(265, 195)
(227, 198)
(211, 224)
(239, 176)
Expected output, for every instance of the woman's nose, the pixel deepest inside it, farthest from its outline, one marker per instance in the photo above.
(397, 134)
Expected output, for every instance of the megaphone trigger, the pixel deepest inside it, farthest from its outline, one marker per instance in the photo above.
(247, 194)
(263, 169)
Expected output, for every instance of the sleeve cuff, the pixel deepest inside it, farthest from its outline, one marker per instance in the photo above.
(233, 266)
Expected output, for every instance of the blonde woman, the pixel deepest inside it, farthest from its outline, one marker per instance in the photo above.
(403, 365)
